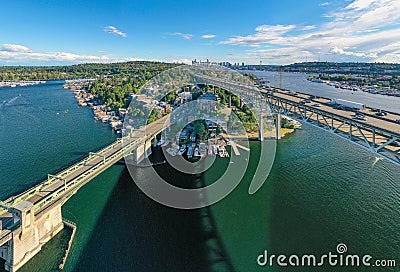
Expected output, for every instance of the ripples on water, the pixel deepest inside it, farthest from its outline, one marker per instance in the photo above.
(42, 129)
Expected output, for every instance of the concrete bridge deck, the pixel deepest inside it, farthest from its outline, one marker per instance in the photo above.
(388, 123)
(377, 134)
(64, 179)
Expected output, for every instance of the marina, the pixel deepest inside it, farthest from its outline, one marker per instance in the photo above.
(373, 89)
(21, 83)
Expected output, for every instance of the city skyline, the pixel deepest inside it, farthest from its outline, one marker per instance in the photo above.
(284, 32)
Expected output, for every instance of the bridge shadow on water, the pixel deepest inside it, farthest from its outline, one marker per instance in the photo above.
(135, 233)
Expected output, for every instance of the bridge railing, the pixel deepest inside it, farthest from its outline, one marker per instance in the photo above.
(360, 133)
(25, 195)
(79, 181)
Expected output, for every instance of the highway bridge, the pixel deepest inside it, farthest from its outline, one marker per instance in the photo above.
(380, 135)
(30, 219)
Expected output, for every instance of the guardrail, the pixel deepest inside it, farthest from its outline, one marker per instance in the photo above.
(74, 184)
(25, 195)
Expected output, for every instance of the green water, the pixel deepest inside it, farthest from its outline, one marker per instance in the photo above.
(321, 191)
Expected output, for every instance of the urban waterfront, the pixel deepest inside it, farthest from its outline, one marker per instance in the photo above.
(322, 191)
(298, 82)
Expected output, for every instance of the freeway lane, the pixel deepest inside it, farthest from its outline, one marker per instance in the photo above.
(373, 121)
(68, 177)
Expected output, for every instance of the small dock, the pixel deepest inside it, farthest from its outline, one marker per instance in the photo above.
(243, 147)
(234, 148)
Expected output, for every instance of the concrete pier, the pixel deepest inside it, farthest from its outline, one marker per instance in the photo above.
(142, 151)
(260, 128)
(278, 126)
(32, 232)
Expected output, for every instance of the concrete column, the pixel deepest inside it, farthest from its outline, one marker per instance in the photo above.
(138, 153)
(147, 148)
(155, 141)
(260, 128)
(35, 231)
(278, 126)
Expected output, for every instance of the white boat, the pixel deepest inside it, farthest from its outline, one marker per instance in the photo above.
(182, 150)
(210, 150)
(172, 151)
(203, 149)
(215, 148)
(190, 152)
(222, 152)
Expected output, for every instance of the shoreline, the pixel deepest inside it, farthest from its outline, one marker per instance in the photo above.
(101, 112)
(105, 114)
(271, 134)
(20, 83)
(354, 87)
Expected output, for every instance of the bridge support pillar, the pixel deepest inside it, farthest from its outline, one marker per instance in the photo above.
(33, 232)
(138, 153)
(154, 141)
(147, 148)
(142, 151)
(278, 126)
(260, 128)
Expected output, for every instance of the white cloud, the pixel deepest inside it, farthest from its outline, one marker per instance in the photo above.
(268, 34)
(113, 30)
(390, 58)
(18, 54)
(14, 48)
(324, 4)
(184, 61)
(345, 52)
(209, 36)
(185, 36)
(363, 30)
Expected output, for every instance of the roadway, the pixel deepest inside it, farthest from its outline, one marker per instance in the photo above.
(67, 178)
(375, 121)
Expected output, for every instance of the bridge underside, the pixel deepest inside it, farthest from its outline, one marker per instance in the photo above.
(382, 142)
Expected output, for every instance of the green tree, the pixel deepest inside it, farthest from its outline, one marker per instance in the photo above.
(200, 129)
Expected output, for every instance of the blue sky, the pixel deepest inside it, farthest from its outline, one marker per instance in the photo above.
(274, 32)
